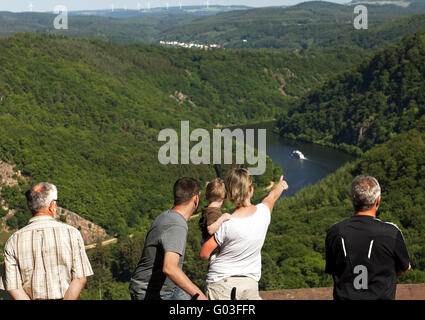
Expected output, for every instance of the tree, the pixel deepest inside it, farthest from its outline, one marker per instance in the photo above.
(100, 285)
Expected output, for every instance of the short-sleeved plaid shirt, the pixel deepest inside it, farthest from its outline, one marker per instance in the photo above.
(44, 257)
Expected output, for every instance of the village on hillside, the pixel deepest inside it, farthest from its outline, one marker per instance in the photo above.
(191, 45)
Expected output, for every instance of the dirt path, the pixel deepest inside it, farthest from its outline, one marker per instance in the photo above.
(104, 243)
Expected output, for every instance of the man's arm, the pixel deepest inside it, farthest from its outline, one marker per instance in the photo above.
(13, 279)
(402, 259)
(212, 228)
(329, 258)
(172, 270)
(275, 194)
(81, 268)
(75, 288)
(401, 272)
(18, 294)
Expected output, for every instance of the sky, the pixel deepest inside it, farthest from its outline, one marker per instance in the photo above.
(71, 5)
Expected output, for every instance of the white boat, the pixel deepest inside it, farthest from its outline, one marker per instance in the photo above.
(298, 154)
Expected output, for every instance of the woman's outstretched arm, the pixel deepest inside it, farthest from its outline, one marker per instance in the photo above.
(275, 194)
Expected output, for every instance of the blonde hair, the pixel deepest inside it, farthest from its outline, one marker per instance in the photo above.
(216, 190)
(238, 183)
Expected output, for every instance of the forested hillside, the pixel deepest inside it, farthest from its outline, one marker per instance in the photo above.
(85, 114)
(366, 105)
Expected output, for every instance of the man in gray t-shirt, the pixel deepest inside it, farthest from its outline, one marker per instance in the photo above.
(167, 233)
(159, 273)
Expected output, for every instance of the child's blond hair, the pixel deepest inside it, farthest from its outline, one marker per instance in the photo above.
(216, 190)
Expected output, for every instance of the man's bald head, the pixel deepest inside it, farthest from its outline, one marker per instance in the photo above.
(365, 190)
(40, 196)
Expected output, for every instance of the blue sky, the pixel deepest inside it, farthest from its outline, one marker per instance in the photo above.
(48, 5)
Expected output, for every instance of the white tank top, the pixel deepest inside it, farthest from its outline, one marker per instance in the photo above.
(240, 241)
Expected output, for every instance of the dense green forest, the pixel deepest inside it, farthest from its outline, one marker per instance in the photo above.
(91, 120)
(367, 104)
(312, 24)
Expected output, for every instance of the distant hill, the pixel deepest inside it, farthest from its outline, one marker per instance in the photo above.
(121, 13)
(306, 25)
(130, 30)
(403, 3)
(313, 24)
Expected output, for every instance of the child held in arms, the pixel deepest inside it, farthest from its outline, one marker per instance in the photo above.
(212, 218)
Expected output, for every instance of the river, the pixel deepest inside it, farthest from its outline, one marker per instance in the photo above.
(320, 162)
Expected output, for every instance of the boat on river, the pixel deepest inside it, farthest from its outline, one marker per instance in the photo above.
(298, 154)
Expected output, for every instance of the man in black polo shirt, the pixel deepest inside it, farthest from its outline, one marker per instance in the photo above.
(364, 255)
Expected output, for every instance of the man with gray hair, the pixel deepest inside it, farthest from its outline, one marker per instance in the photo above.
(46, 260)
(364, 255)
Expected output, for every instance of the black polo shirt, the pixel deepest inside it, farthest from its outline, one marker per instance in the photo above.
(363, 254)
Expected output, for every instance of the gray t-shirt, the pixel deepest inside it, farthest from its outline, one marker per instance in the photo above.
(167, 233)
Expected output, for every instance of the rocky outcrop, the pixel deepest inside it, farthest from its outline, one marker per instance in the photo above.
(363, 128)
(8, 177)
(91, 232)
(181, 97)
(279, 76)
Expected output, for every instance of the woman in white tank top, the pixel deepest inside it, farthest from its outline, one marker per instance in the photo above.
(238, 264)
